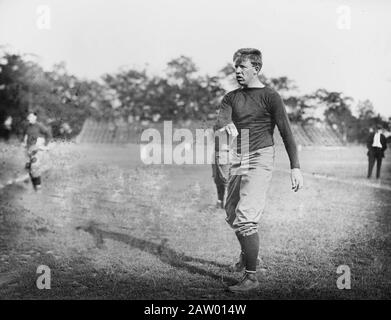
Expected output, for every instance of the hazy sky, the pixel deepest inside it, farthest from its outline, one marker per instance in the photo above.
(310, 41)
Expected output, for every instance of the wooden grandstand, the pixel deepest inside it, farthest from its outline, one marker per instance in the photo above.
(313, 135)
(104, 132)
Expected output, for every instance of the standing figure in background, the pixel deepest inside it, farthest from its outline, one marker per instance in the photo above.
(32, 138)
(376, 145)
(7, 128)
(220, 165)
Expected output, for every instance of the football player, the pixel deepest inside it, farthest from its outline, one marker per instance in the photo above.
(253, 110)
(34, 143)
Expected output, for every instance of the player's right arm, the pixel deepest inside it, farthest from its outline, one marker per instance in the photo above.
(224, 117)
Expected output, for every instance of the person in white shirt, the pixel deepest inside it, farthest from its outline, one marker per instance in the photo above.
(376, 145)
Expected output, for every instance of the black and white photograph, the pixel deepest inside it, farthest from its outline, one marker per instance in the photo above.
(192, 150)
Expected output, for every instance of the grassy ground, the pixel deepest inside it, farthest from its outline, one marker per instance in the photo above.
(110, 227)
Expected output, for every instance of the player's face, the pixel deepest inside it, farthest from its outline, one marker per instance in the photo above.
(31, 118)
(244, 71)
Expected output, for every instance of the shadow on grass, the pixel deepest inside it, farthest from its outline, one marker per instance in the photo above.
(162, 251)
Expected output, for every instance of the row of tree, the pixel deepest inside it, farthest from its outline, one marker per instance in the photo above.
(181, 94)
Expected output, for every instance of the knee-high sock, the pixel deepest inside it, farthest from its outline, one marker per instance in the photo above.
(220, 192)
(250, 248)
(240, 239)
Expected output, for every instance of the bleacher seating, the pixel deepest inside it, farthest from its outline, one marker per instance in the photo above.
(103, 132)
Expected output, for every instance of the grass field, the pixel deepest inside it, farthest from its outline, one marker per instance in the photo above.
(111, 227)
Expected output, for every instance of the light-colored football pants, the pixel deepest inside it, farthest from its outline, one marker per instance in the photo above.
(36, 161)
(249, 180)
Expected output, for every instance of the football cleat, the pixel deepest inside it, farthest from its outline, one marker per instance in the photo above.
(248, 283)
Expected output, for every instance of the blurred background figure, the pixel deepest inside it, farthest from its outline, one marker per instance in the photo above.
(66, 130)
(7, 126)
(376, 145)
(221, 165)
(35, 138)
(220, 171)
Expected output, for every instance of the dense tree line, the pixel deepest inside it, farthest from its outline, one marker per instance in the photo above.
(64, 101)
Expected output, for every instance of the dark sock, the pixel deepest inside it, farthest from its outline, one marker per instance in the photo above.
(220, 192)
(240, 238)
(250, 248)
(36, 181)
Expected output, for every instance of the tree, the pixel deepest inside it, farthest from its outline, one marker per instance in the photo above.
(182, 69)
(366, 119)
(130, 88)
(57, 97)
(299, 109)
(14, 90)
(365, 110)
(283, 85)
(337, 111)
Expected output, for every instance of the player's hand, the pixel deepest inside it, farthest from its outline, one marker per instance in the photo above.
(296, 179)
(231, 129)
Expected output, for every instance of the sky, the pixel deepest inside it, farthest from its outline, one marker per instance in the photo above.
(338, 45)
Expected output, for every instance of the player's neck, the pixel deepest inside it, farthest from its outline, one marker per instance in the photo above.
(255, 83)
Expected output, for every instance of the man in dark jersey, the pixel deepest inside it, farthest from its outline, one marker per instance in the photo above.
(253, 110)
(33, 132)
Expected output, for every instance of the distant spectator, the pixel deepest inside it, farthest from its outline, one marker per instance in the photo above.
(376, 145)
(7, 128)
(66, 130)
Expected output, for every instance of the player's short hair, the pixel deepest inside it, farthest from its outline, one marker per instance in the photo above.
(250, 54)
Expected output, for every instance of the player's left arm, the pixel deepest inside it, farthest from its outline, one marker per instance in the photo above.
(282, 121)
(47, 132)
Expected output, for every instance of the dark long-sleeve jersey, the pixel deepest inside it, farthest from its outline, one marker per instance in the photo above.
(33, 131)
(259, 110)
